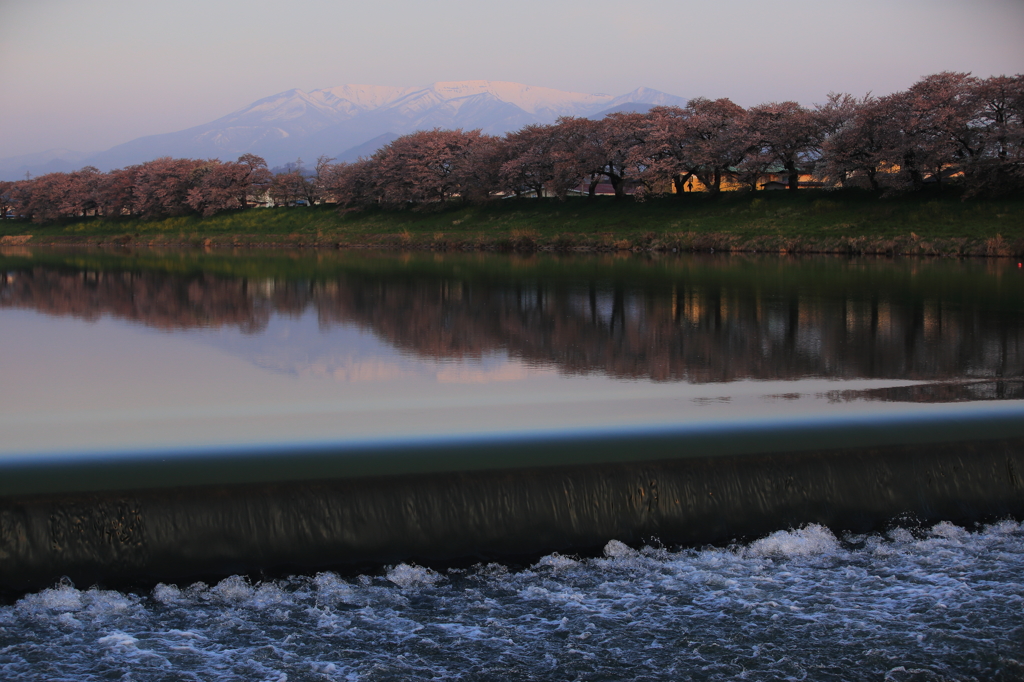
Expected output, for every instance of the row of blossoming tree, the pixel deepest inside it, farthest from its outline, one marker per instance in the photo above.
(946, 126)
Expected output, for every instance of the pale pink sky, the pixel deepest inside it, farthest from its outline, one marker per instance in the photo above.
(89, 74)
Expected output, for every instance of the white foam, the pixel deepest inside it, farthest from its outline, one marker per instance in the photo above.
(948, 531)
(63, 597)
(101, 603)
(1005, 527)
(91, 604)
(118, 642)
(167, 594)
(406, 576)
(67, 620)
(233, 590)
(557, 561)
(901, 536)
(269, 594)
(810, 540)
(330, 589)
(619, 550)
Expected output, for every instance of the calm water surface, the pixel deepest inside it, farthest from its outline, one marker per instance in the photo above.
(105, 351)
(108, 352)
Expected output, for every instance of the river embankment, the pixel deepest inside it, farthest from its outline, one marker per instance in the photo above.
(809, 221)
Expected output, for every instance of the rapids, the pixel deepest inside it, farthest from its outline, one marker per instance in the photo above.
(938, 603)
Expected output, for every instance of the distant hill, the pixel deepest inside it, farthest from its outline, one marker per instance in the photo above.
(50, 161)
(367, 149)
(344, 122)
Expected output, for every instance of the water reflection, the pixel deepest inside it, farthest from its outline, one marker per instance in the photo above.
(693, 319)
(168, 414)
(935, 393)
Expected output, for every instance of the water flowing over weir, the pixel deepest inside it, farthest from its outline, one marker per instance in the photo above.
(335, 410)
(221, 513)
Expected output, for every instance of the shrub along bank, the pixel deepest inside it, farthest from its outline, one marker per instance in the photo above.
(808, 221)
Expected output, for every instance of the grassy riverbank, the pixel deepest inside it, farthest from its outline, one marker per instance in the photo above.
(809, 222)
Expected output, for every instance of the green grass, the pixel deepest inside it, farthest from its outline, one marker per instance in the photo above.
(807, 221)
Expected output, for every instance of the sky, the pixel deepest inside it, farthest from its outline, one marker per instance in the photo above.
(89, 74)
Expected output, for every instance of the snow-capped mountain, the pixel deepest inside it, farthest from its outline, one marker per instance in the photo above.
(341, 121)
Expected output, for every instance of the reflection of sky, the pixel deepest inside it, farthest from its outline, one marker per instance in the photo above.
(300, 346)
(70, 385)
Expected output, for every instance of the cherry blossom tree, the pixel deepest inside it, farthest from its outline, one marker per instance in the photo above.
(617, 135)
(162, 186)
(706, 139)
(20, 197)
(7, 198)
(480, 175)
(424, 167)
(297, 183)
(317, 183)
(576, 153)
(116, 192)
(929, 126)
(788, 133)
(82, 197)
(662, 154)
(289, 186)
(43, 198)
(999, 125)
(254, 177)
(219, 187)
(353, 184)
(529, 163)
(858, 144)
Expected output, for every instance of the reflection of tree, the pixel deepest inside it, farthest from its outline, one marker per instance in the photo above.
(700, 331)
(948, 392)
(153, 299)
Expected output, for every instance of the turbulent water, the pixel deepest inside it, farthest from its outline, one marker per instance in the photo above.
(943, 603)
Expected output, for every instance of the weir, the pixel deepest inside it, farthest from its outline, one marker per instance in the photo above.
(174, 516)
(171, 416)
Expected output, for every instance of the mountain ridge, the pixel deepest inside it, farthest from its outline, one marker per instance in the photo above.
(341, 120)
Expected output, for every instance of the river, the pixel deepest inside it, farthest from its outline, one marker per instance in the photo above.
(317, 465)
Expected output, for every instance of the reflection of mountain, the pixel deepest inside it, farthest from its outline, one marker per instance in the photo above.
(301, 345)
(700, 328)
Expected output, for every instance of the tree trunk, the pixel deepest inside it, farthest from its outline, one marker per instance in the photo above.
(708, 181)
(618, 185)
(873, 178)
(680, 183)
(916, 179)
(794, 176)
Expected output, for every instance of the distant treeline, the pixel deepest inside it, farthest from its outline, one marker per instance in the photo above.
(948, 127)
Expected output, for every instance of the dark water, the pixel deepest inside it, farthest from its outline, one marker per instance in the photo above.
(130, 353)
